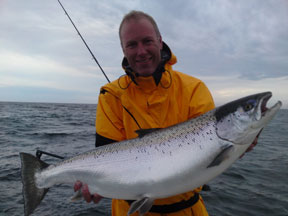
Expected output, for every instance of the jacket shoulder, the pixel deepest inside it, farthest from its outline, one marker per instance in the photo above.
(116, 87)
(186, 80)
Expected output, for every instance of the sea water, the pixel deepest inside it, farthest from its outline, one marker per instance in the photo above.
(257, 184)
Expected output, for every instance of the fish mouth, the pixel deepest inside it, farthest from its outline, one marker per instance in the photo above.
(265, 113)
(264, 102)
(263, 107)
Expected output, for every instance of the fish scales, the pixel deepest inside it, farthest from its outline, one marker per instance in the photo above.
(137, 165)
(160, 164)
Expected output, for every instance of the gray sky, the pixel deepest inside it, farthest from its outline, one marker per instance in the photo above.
(236, 47)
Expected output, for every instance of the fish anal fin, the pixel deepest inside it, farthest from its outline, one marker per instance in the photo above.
(143, 132)
(142, 205)
(223, 155)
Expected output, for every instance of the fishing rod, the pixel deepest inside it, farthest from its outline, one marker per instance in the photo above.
(39, 153)
(84, 42)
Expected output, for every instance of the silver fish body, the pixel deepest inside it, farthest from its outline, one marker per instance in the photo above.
(164, 162)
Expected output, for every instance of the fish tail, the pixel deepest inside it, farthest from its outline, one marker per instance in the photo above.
(31, 193)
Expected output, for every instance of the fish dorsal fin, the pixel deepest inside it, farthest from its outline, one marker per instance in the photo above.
(142, 205)
(223, 155)
(142, 132)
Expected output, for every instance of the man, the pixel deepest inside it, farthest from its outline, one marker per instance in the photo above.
(150, 95)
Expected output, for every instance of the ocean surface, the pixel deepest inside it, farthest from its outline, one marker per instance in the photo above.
(256, 185)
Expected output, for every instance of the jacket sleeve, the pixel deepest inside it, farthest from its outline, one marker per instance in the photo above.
(100, 140)
(201, 101)
(109, 119)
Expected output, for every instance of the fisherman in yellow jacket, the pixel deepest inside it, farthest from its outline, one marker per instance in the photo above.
(150, 95)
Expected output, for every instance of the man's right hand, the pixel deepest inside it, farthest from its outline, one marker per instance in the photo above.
(85, 192)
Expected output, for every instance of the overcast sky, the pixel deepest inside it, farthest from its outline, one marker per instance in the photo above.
(236, 47)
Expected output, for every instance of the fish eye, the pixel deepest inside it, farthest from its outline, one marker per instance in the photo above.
(249, 105)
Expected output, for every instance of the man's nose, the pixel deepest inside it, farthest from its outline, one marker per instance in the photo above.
(141, 49)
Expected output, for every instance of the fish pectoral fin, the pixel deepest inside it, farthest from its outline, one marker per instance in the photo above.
(143, 132)
(223, 155)
(142, 205)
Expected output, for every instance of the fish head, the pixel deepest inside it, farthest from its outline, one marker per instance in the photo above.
(241, 120)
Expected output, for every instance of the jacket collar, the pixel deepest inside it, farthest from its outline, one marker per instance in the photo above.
(166, 55)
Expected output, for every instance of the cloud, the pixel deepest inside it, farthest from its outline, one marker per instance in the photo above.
(228, 88)
(43, 94)
(244, 37)
(39, 71)
(234, 46)
(33, 65)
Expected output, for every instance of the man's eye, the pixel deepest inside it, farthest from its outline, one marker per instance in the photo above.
(148, 41)
(131, 45)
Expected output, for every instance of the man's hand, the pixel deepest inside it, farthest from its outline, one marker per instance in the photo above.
(85, 192)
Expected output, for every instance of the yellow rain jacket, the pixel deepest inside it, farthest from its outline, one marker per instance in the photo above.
(123, 104)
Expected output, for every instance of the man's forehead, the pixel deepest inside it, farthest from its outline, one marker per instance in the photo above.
(131, 24)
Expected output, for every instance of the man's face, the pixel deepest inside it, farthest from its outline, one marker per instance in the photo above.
(141, 46)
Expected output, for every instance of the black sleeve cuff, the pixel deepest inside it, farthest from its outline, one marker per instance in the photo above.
(101, 140)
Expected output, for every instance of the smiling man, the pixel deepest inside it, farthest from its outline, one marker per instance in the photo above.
(141, 45)
(150, 95)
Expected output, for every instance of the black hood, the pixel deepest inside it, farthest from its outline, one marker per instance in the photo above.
(165, 57)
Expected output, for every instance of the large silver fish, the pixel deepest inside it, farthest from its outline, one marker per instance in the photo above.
(158, 164)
